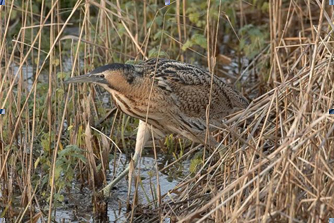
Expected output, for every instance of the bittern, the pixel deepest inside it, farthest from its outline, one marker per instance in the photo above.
(168, 97)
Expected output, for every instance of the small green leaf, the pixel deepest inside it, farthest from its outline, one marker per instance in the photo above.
(56, 62)
(63, 75)
(158, 35)
(194, 17)
(158, 20)
(58, 172)
(120, 29)
(155, 53)
(59, 197)
(194, 164)
(199, 39)
(187, 45)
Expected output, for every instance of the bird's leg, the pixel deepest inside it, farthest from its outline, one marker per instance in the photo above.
(143, 135)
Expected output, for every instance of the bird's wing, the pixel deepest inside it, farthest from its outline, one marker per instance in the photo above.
(189, 87)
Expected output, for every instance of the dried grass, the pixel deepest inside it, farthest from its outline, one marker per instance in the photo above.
(276, 159)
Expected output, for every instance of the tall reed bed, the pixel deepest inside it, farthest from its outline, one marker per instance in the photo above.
(279, 160)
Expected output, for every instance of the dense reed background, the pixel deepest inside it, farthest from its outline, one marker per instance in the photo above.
(280, 151)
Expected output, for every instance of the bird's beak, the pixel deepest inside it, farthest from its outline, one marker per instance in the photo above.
(88, 78)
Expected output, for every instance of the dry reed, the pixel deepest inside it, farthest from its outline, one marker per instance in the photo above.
(279, 159)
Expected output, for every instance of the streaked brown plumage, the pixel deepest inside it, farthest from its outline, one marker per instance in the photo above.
(172, 96)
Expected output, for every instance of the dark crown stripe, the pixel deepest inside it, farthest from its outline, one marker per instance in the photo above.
(114, 66)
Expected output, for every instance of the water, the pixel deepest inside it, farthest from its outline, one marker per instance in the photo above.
(79, 205)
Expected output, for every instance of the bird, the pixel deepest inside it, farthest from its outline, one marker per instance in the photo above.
(168, 97)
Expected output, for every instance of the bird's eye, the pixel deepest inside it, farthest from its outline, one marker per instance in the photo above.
(101, 76)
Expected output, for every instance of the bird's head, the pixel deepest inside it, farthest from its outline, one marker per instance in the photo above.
(111, 77)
